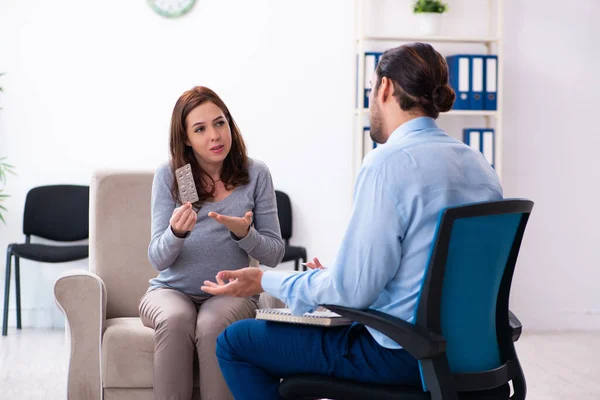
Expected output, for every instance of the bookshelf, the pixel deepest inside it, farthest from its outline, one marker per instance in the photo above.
(488, 43)
(472, 113)
(430, 39)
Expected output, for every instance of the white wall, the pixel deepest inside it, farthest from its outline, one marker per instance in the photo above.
(92, 85)
(551, 145)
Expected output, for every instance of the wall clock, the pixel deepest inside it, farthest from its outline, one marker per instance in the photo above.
(171, 8)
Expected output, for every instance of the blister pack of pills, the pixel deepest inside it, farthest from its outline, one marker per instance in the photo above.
(185, 181)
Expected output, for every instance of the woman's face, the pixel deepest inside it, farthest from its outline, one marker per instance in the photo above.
(208, 134)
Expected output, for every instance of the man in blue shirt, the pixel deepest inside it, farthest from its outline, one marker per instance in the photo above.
(401, 188)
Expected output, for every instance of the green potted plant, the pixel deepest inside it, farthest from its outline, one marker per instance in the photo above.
(5, 169)
(429, 14)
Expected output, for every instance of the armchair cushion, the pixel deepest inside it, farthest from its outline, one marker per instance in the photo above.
(127, 354)
(128, 350)
(119, 237)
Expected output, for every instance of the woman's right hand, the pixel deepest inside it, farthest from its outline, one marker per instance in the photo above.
(183, 220)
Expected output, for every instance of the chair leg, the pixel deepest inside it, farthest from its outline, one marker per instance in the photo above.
(6, 290)
(519, 384)
(18, 290)
(296, 264)
(304, 268)
(438, 378)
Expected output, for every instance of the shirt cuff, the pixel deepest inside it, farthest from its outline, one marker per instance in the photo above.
(249, 242)
(271, 282)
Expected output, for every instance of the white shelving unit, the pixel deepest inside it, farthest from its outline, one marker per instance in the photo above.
(492, 43)
(472, 113)
(430, 39)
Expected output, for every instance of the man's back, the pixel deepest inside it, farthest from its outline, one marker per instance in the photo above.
(424, 171)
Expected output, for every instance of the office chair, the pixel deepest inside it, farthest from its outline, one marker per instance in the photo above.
(464, 332)
(58, 213)
(284, 212)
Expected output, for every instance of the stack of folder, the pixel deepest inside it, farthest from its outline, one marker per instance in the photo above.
(371, 61)
(481, 140)
(368, 143)
(474, 78)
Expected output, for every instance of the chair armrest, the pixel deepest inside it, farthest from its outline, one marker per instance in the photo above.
(417, 341)
(81, 296)
(515, 326)
(267, 301)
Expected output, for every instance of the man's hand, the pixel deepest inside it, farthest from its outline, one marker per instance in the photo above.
(315, 264)
(241, 283)
(239, 226)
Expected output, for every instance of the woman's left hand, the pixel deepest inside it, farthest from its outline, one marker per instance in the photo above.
(238, 226)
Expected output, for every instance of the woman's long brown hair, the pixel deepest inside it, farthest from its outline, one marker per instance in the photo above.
(235, 165)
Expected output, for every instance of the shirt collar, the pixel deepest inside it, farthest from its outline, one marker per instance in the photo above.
(417, 124)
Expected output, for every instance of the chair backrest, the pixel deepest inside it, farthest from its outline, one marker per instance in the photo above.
(467, 285)
(284, 212)
(119, 237)
(57, 212)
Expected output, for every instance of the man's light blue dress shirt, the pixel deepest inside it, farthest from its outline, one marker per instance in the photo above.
(401, 188)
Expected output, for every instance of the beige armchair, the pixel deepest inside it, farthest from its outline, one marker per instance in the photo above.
(111, 351)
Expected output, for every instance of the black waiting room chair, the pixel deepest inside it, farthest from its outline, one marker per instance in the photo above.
(463, 332)
(58, 213)
(284, 211)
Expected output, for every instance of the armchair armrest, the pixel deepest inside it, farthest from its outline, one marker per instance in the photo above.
(417, 341)
(515, 326)
(267, 301)
(81, 296)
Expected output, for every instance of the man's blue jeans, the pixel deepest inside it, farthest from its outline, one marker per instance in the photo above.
(254, 355)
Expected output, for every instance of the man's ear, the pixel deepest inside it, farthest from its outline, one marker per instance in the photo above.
(386, 88)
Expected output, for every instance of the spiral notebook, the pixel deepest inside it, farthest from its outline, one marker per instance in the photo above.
(320, 318)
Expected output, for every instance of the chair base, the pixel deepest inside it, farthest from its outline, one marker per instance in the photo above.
(305, 387)
(310, 387)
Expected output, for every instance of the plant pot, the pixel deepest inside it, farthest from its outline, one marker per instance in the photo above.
(429, 24)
